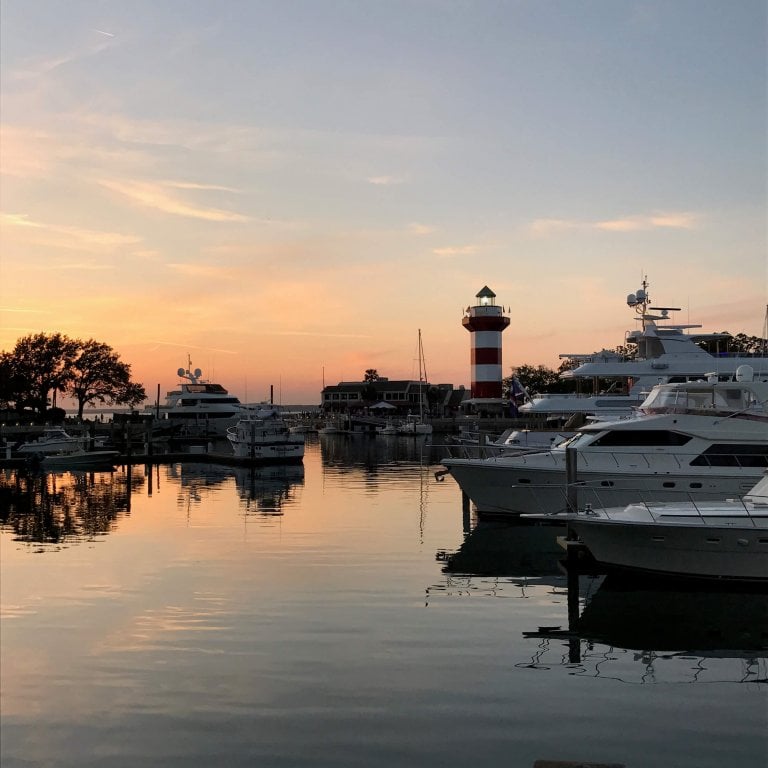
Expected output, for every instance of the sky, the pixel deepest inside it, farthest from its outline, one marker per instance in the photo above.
(285, 192)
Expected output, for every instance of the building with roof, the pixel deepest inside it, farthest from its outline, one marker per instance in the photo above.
(392, 397)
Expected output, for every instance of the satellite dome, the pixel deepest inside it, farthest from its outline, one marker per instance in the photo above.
(745, 373)
(180, 372)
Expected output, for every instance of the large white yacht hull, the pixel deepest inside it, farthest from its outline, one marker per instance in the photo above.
(525, 488)
(704, 551)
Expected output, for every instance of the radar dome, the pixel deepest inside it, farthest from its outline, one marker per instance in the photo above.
(640, 294)
(632, 300)
(745, 373)
(198, 373)
(180, 372)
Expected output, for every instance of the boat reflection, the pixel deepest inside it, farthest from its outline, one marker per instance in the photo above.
(501, 548)
(633, 630)
(357, 450)
(57, 508)
(263, 490)
(504, 558)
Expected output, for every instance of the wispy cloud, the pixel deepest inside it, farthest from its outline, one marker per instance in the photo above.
(37, 68)
(464, 250)
(85, 266)
(657, 221)
(420, 229)
(634, 223)
(65, 237)
(385, 181)
(200, 270)
(196, 185)
(155, 195)
(325, 335)
(191, 346)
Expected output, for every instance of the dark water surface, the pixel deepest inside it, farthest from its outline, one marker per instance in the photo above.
(348, 612)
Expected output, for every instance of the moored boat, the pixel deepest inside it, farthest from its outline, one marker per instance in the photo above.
(78, 459)
(54, 440)
(661, 352)
(725, 539)
(199, 407)
(262, 436)
(708, 439)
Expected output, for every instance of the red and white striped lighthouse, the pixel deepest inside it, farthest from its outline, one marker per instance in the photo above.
(485, 321)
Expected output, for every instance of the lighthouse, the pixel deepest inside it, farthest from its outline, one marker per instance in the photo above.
(486, 322)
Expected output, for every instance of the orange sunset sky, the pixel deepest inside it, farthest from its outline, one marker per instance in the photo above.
(290, 191)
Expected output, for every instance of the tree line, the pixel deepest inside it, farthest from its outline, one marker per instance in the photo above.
(42, 366)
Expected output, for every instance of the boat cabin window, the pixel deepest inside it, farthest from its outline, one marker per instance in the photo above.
(644, 437)
(733, 455)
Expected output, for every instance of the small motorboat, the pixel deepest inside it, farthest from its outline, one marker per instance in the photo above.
(78, 459)
(53, 440)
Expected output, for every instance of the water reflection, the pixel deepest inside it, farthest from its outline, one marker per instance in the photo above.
(618, 627)
(502, 548)
(260, 490)
(54, 508)
(504, 558)
(371, 451)
(633, 629)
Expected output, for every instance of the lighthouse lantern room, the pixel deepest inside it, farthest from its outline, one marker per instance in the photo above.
(486, 322)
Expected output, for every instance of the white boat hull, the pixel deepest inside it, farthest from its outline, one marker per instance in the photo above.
(265, 439)
(79, 460)
(702, 551)
(270, 453)
(523, 488)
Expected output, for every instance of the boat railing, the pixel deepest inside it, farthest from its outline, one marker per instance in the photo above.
(749, 507)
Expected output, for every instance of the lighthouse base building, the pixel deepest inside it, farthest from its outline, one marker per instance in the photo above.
(486, 321)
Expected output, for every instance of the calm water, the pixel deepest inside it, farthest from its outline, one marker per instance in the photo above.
(348, 612)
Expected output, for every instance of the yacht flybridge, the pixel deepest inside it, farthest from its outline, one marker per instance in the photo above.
(665, 353)
(200, 407)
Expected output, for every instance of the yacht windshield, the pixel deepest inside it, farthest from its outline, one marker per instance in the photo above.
(710, 398)
(576, 441)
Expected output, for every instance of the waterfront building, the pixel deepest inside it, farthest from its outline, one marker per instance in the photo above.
(391, 397)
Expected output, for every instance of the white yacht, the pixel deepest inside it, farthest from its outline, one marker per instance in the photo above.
(54, 440)
(725, 539)
(706, 439)
(199, 407)
(665, 353)
(262, 436)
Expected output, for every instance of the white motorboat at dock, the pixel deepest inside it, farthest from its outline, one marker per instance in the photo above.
(53, 440)
(707, 439)
(726, 539)
(79, 459)
(262, 436)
